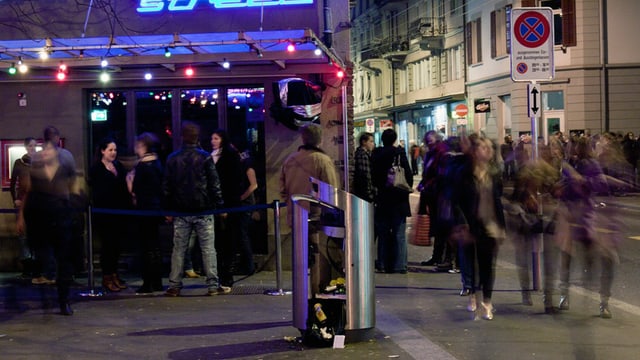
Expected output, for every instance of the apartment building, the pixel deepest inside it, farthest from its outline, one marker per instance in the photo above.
(416, 72)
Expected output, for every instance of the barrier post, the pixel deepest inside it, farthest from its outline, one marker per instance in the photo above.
(90, 270)
(276, 232)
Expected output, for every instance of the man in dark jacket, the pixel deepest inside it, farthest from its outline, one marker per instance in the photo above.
(392, 205)
(191, 184)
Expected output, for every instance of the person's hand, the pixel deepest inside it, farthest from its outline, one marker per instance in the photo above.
(17, 203)
(20, 225)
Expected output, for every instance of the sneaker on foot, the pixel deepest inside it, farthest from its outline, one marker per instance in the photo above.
(41, 280)
(221, 290)
(191, 274)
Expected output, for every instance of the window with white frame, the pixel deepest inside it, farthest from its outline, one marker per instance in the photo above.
(454, 64)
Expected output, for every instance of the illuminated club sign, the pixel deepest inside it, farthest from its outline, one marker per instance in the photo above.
(153, 6)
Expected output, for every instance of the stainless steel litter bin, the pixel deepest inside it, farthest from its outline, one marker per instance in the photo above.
(358, 234)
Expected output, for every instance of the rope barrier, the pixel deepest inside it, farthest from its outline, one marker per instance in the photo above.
(275, 206)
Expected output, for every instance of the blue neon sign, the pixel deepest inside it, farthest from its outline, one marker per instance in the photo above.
(153, 6)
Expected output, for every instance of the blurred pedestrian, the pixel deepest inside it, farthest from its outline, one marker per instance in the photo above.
(481, 205)
(508, 156)
(430, 190)
(392, 204)
(145, 185)
(191, 184)
(414, 151)
(107, 178)
(311, 161)
(577, 221)
(18, 188)
(46, 212)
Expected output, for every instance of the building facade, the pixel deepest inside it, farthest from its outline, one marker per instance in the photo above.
(595, 61)
(408, 66)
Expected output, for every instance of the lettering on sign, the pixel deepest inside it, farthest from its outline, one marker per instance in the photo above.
(154, 6)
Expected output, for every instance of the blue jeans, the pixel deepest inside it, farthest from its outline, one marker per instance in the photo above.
(392, 241)
(204, 230)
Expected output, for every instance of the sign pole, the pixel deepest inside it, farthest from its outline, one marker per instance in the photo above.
(531, 59)
(536, 247)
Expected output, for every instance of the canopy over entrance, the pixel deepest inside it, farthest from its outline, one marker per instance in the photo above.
(274, 52)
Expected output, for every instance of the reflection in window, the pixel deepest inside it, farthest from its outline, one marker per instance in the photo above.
(201, 107)
(245, 126)
(153, 114)
(108, 115)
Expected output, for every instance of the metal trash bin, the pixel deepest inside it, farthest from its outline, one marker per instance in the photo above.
(358, 232)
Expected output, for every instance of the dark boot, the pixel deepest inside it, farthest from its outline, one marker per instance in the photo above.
(65, 309)
(118, 282)
(108, 284)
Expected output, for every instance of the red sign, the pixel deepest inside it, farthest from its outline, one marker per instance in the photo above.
(462, 110)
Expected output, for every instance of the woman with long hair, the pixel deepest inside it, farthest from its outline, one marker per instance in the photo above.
(229, 169)
(107, 178)
(482, 208)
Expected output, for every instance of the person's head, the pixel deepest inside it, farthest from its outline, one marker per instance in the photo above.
(482, 149)
(190, 133)
(219, 139)
(49, 152)
(51, 133)
(146, 143)
(583, 148)
(389, 137)
(108, 149)
(366, 141)
(507, 139)
(311, 135)
(30, 145)
(431, 138)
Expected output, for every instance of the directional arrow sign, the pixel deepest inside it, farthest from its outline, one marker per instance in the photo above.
(533, 103)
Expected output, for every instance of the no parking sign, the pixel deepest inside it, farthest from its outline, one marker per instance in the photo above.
(532, 44)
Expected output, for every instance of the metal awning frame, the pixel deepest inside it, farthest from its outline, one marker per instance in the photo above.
(248, 48)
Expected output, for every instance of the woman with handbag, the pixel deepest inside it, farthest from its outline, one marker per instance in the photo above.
(392, 204)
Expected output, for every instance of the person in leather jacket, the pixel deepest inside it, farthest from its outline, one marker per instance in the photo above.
(191, 185)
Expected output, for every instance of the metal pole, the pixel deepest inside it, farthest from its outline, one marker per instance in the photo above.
(90, 279)
(276, 231)
(537, 240)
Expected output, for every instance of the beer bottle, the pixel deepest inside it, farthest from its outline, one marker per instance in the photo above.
(320, 315)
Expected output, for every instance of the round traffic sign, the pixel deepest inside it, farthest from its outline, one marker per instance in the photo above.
(522, 68)
(532, 29)
(461, 110)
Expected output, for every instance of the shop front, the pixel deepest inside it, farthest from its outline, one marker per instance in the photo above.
(148, 66)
